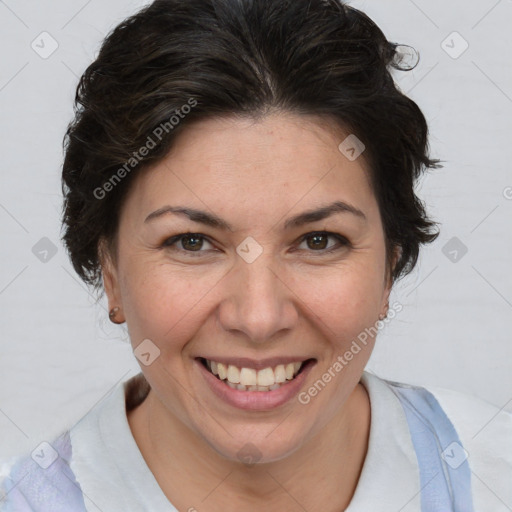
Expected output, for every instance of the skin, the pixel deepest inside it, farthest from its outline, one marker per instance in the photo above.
(295, 299)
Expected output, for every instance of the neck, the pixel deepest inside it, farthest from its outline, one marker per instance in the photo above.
(321, 475)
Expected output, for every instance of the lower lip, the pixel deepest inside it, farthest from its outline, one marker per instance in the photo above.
(255, 400)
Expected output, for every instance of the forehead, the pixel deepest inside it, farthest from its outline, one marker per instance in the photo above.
(276, 161)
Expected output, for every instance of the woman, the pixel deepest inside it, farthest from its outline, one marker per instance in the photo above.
(239, 179)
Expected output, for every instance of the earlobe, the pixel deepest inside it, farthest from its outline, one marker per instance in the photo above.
(384, 311)
(110, 285)
(113, 316)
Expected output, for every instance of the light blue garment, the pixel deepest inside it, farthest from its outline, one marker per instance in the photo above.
(445, 475)
(30, 488)
(444, 487)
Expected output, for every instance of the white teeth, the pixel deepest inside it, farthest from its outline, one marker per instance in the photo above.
(223, 372)
(233, 374)
(266, 377)
(249, 379)
(280, 373)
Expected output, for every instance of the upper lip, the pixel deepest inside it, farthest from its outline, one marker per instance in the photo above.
(257, 364)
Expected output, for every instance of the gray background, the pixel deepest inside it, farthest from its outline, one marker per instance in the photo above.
(59, 353)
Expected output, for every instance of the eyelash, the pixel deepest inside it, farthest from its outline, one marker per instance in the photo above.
(342, 241)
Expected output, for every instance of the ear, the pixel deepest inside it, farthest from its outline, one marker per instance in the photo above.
(397, 252)
(110, 279)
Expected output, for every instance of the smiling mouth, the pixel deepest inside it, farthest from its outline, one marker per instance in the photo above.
(249, 379)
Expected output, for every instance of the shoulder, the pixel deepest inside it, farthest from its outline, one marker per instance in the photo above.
(474, 416)
(485, 432)
(43, 481)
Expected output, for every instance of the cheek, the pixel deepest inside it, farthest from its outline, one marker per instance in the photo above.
(345, 300)
(164, 304)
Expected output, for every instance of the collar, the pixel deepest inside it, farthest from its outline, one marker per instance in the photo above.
(107, 462)
(114, 476)
(390, 477)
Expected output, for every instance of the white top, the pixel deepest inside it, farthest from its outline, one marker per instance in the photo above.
(114, 476)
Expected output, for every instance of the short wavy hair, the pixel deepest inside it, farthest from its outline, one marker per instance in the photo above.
(241, 58)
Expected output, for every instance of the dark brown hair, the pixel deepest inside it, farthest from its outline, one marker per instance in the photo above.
(188, 60)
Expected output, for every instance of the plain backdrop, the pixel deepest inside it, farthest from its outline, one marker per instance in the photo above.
(59, 354)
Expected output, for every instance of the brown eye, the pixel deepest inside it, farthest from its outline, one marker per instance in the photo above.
(190, 243)
(318, 242)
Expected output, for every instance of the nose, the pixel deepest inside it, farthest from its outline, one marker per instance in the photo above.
(258, 302)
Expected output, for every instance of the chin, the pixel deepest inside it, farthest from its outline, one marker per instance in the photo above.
(256, 449)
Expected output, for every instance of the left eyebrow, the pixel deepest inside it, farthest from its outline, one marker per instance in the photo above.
(323, 213)
(301, 219)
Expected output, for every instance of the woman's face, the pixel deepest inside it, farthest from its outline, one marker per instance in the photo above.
(259, 293)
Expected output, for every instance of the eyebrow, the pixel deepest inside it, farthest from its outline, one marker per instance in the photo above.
(301, 219)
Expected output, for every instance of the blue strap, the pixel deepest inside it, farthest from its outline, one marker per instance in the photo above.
(445, 475)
